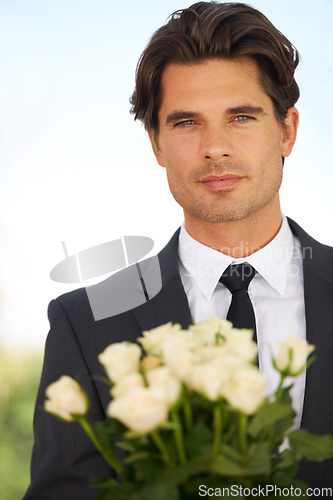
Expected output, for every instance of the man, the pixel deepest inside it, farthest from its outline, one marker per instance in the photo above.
(215, 89)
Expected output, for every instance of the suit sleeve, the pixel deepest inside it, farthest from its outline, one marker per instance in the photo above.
(64, 459)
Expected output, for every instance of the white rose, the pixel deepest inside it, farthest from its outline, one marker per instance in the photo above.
(206, 380)
(66, 398)
(126, 383)
(239, 342)
(150, 362)
(174, 343)
(205, 331)
(245, 389)
(142, 410)
(211, 352)
(299, 349)
(181, 363)
(119, 359)
(162, 379)
(152, 339)
(209, 378)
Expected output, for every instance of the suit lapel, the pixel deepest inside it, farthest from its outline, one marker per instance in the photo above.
(170, 304)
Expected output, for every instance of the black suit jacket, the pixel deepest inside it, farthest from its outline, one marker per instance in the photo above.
(64, 460)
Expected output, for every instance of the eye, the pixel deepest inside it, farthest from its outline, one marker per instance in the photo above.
(243, 118)
(184, 123)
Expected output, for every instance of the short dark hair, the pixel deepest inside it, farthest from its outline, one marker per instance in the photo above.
(212, 30)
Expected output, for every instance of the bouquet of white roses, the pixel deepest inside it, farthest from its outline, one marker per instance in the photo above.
(190, 410)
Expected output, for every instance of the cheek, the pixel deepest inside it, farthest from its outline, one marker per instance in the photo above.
(265, 151)
(176, 157)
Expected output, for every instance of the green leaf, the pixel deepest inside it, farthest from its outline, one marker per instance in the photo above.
(133, 435)
(110, 428)
(225, 467)
(231, 432)
(103, 482)
(105, 380)
(231, 452)
(147, 469)
(118, 492)
(284, 460)
(311, 447)
(285, 477)
(191, 488)
(281, 428)
(158, 492)
(285, 468)
(200, 405)
(198, 465)
(198, 439)
(267, 416)
(168, 426)
(140, 455)
(126, 446)
(259, 459)
(281, 480)
(105, 437)
(106, 432)
(258, 463)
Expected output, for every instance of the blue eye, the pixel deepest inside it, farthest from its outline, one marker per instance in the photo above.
(184, 123)
(243, 118)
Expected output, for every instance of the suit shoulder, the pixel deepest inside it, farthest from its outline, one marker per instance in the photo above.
(123, 291)
(308, 241)
(317, 257)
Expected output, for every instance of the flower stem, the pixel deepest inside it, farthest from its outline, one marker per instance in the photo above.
(161, 446)
(217, 414)
(188, 414)
(242, 434)
(179, 439)
(279, 390)
(111, 460)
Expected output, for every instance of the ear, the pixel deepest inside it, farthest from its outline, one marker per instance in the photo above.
(156, 148)
(289, 132)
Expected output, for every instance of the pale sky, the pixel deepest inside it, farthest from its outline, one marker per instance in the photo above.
(76, 168)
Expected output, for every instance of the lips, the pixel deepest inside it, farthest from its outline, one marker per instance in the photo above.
(220, 182)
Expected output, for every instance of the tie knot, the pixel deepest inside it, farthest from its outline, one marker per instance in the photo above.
(238, 277)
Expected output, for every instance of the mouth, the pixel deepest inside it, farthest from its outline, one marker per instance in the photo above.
(220, 182)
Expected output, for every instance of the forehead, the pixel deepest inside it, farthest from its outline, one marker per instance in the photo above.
(225, 82)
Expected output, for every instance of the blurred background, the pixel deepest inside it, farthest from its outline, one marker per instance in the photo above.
(75, 168)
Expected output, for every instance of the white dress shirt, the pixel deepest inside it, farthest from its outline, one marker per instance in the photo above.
(276, 292)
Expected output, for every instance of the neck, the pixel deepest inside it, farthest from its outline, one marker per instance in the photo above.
(239, 238)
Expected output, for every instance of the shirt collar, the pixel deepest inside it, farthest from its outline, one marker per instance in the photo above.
(206, 265)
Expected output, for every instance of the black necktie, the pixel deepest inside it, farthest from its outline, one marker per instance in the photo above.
(237, 279)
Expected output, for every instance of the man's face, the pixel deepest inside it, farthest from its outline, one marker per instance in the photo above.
(220, 141)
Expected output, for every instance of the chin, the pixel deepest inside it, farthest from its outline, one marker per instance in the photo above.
(221, 215)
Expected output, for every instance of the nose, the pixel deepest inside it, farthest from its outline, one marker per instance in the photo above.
(216, 144)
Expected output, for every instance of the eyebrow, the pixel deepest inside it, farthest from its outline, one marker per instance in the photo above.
(181, 115)
(190, 115)
(247, 110)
